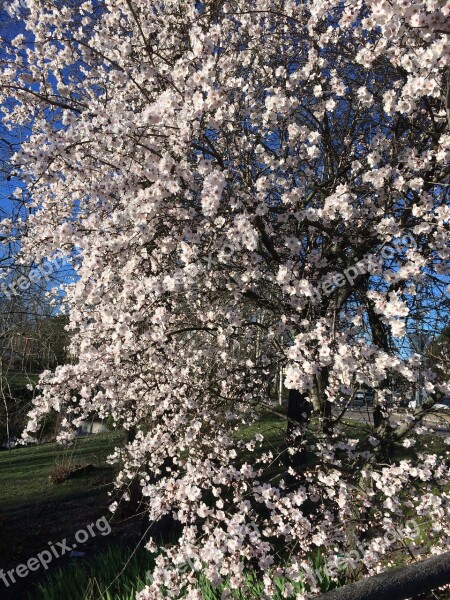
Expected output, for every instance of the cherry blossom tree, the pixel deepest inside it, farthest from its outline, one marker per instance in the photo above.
(245, 186)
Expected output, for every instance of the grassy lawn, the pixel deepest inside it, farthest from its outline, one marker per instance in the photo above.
(35, 511)
(270, 425)
(17, 379)
(24, 472)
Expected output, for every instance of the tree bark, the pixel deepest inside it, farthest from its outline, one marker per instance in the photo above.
(398, 584)
(298, 414)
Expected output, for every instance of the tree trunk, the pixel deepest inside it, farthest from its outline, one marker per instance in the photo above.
(298, 414)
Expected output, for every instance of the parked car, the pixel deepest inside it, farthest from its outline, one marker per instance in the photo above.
(444, 404)
(359, 398)
(363, 397)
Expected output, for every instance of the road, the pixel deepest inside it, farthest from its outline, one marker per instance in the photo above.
(364, 414)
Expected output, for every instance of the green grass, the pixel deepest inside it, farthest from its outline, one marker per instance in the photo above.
(271, 426)
(24, 472)
(118, 574)
(17, 379)
(36, 511)
(33, 510)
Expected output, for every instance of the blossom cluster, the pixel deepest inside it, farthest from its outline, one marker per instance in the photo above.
(208, 166)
